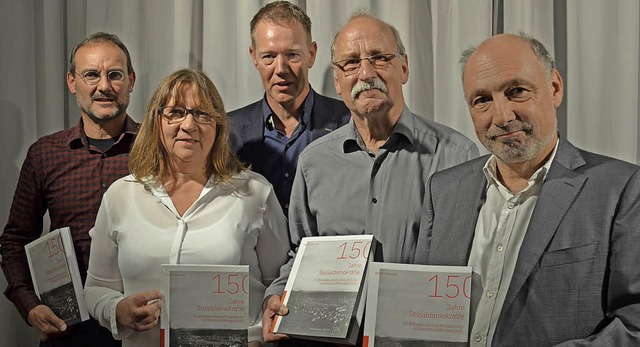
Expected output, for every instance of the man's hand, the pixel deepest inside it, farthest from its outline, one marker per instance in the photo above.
(272, 308)
(140, 311)
(48, 325)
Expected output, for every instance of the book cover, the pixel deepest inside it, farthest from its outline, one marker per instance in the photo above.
(55, 275)
(205, 305)
(417, 305)
(325, 290)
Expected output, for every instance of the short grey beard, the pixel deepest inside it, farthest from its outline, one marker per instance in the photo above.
(515, 151)
(102, 120)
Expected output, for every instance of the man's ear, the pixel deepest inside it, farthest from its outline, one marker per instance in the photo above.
(557, 88)
(336, 85)
(405, 68)
(312, 53)
(71, 82)
(253, 56)
(132, 80)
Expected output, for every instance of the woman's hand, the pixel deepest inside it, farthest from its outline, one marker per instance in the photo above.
(140, 311)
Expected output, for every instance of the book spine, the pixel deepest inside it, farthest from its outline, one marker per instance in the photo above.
(72, 263)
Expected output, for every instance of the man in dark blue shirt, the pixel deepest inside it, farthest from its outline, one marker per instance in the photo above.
(271, 133)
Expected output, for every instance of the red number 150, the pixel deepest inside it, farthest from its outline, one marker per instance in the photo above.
(53, 247)
(357, 250)
(232, 285)
(452, 286)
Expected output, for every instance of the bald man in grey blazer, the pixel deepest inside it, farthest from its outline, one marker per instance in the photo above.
(552, 232)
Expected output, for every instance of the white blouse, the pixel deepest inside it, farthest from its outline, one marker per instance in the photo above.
(138, 228)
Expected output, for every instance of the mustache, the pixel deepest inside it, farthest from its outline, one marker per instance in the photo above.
(510, 127)
(102, 95)
(362, 86)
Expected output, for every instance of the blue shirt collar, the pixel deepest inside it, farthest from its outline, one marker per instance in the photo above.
(305, 118)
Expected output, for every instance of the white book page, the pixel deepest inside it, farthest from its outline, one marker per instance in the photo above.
(205, 304)
(408, 303)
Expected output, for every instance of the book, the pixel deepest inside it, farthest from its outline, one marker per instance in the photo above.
(326, 287)
(417, 305)
(205, 305)
(56, 276)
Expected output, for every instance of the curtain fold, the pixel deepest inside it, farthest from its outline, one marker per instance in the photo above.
(602, 74)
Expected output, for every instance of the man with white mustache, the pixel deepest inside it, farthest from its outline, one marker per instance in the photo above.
(66, 174)
(369, 176)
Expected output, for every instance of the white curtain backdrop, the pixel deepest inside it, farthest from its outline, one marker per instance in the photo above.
(595, 42)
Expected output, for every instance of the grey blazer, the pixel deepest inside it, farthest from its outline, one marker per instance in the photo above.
(577, 277)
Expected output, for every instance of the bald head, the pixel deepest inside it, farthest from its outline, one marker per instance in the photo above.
(364, 17)
(540, 51)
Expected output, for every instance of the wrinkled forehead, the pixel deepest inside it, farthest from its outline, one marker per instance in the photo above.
(497, 60)
(365, 36)
(291, 27)
(98, 52)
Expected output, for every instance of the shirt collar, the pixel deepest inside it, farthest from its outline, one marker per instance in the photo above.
(404, 127)
(267, 113)
(77, 138)
(490, 170)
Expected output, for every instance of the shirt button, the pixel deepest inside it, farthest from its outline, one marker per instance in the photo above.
(104, 185)
(286, 206)
(104, 155)
(478, 338)
(490, 293)
(374, 200)
(288, 145)
(500, 248)
(286, 174)
(510, 205)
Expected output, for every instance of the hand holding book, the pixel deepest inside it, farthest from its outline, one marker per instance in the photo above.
(140, 311)
(325, 289)
(48, 325)
(56, 281)
(273, 307)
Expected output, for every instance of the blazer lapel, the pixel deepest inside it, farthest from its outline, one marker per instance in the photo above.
(320, 122)
(559, 190)
(457, 230)
(253, 127)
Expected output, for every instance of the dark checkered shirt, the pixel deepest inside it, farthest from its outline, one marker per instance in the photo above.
(64, 175)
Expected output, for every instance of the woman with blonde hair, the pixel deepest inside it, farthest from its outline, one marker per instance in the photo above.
(188, 200)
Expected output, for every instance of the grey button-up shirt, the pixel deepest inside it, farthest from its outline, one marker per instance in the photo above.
(342, 189)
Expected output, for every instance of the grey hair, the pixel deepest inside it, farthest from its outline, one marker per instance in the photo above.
(541, 52)
(362, 12)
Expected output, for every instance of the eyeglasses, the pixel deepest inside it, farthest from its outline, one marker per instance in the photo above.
(92, 77)
(352, 65)
(177, 114)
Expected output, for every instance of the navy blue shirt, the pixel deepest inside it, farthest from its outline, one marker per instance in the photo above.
(256, 141)
(280, 167)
